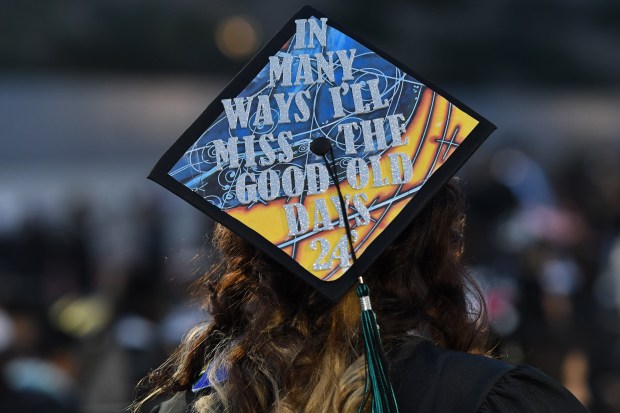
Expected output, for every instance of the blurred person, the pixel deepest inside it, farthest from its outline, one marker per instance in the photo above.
(38, 367)
(275, 345)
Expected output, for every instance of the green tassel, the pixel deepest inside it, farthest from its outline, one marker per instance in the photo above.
(383, 398)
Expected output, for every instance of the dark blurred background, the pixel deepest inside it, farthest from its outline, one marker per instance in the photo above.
(95, 260)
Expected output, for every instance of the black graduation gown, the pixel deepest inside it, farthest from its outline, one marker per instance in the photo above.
(429, 379)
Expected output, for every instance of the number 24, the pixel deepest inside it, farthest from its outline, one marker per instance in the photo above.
(341, 252)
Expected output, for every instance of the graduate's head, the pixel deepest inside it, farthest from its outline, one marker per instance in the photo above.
(417, 283)
(282, 343)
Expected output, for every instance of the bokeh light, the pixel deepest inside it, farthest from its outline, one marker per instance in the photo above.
(238, 37)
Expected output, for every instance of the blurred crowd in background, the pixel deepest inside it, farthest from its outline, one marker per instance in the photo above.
(95, 261)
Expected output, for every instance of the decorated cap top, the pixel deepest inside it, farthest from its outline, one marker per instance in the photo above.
(247, 163)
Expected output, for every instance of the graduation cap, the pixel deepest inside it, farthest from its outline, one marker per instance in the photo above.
(321, 151)
(247, 160)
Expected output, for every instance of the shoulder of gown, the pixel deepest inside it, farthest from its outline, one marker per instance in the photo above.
(429, 379)
(526, 389)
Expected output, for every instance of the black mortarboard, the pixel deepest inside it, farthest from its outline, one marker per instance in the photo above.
(247, 160)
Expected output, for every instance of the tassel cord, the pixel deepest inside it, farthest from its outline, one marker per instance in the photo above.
(332, 171)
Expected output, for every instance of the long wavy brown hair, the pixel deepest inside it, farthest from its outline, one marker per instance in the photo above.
(286, 348)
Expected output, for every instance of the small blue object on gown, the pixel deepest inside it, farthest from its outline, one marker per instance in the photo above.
(203, 381)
